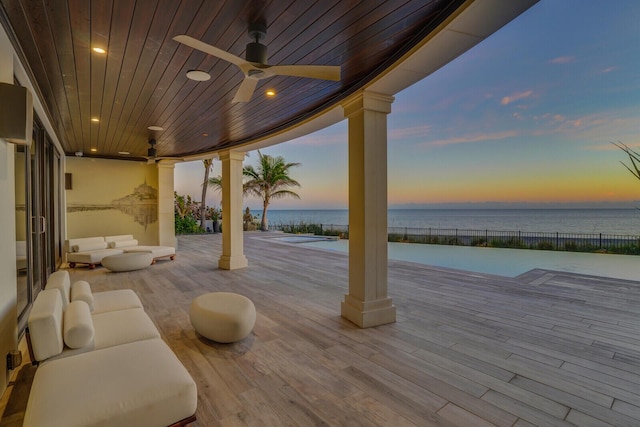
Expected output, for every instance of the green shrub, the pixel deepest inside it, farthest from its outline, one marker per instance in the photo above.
(187, 225)
(478, 241)
(545, 246)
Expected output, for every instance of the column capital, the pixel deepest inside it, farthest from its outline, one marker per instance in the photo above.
(371, 101)
(167, 164)
(231, 155)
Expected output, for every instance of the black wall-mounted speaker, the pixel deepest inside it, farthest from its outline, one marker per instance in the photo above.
(16, 114)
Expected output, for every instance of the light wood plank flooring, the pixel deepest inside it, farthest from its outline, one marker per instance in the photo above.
(467, 349)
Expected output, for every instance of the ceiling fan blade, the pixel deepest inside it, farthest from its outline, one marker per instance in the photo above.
(324, 72)
(246, 89)
(211, 50)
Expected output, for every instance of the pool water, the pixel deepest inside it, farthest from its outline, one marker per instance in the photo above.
(304, 238)
(505, 262)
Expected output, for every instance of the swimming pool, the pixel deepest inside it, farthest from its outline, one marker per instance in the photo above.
(305, 238)
(505, 262)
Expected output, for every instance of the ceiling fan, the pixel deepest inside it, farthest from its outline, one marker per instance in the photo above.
(255, 67)
(152, 154)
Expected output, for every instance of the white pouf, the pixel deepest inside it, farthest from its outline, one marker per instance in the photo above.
(128, 261)
(223, 316)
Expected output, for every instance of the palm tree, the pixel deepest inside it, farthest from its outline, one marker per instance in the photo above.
(215, 183)
(269, 180)
(205, 184)
(634, 157)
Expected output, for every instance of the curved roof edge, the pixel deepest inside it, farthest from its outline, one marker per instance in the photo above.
(473, 22)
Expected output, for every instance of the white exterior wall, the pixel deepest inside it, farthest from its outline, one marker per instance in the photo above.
(8, 278)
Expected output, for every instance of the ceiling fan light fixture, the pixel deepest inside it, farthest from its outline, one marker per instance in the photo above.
(198, 75)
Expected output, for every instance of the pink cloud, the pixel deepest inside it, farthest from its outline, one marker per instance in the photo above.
(415, 131)
(608, 70)
(516, 97)
(563, 60)
(472, 138)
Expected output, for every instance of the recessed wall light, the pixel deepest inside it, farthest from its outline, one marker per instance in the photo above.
(157, 128)
(270, 92)
(198, 75)
(124, 153)
(99, 50)
(93, 150)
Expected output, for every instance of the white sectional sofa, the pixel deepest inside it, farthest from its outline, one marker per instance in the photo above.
(104, 367)
(91, 250)
(88, 250)
(127, 243)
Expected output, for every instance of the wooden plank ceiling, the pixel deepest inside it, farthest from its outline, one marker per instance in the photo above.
(141, 82)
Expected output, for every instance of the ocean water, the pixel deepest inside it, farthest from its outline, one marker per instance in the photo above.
(606, 221)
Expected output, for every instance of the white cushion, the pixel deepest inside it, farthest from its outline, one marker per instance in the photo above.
(123, 326)
(45, 324)
(92, 257)
(84, 242)
(120, 299)
(60, 281)
(123, 243)
(121, 237)
(78, 326)
(81, 291)
(156, 251)
(136, 384)
(91, 246)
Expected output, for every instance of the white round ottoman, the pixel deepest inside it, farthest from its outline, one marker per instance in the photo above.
(222, 316)
(128, 261)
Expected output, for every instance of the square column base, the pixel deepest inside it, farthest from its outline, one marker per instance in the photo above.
(232, 262)
(367, 314)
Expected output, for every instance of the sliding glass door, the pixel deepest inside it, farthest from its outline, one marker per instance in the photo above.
(38, 216)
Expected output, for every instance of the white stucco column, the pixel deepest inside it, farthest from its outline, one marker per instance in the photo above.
(166, 217)
(367, 303)
(232, 233)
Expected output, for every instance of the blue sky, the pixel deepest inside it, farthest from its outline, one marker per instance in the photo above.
(525, 117)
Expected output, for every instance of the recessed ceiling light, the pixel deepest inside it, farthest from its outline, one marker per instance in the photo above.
(99, 50)
(205, 134)
(95, 119)
(198, 75)
(124, 153)
(93, 150)
(158, 128)
(270, 92)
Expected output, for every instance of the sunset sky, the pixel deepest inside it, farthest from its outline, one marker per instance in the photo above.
(527, 116)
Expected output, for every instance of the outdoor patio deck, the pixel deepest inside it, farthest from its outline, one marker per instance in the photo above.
(467, 349)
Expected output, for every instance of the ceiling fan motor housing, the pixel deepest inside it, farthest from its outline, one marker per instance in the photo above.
(151, 151)
(256, 52)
